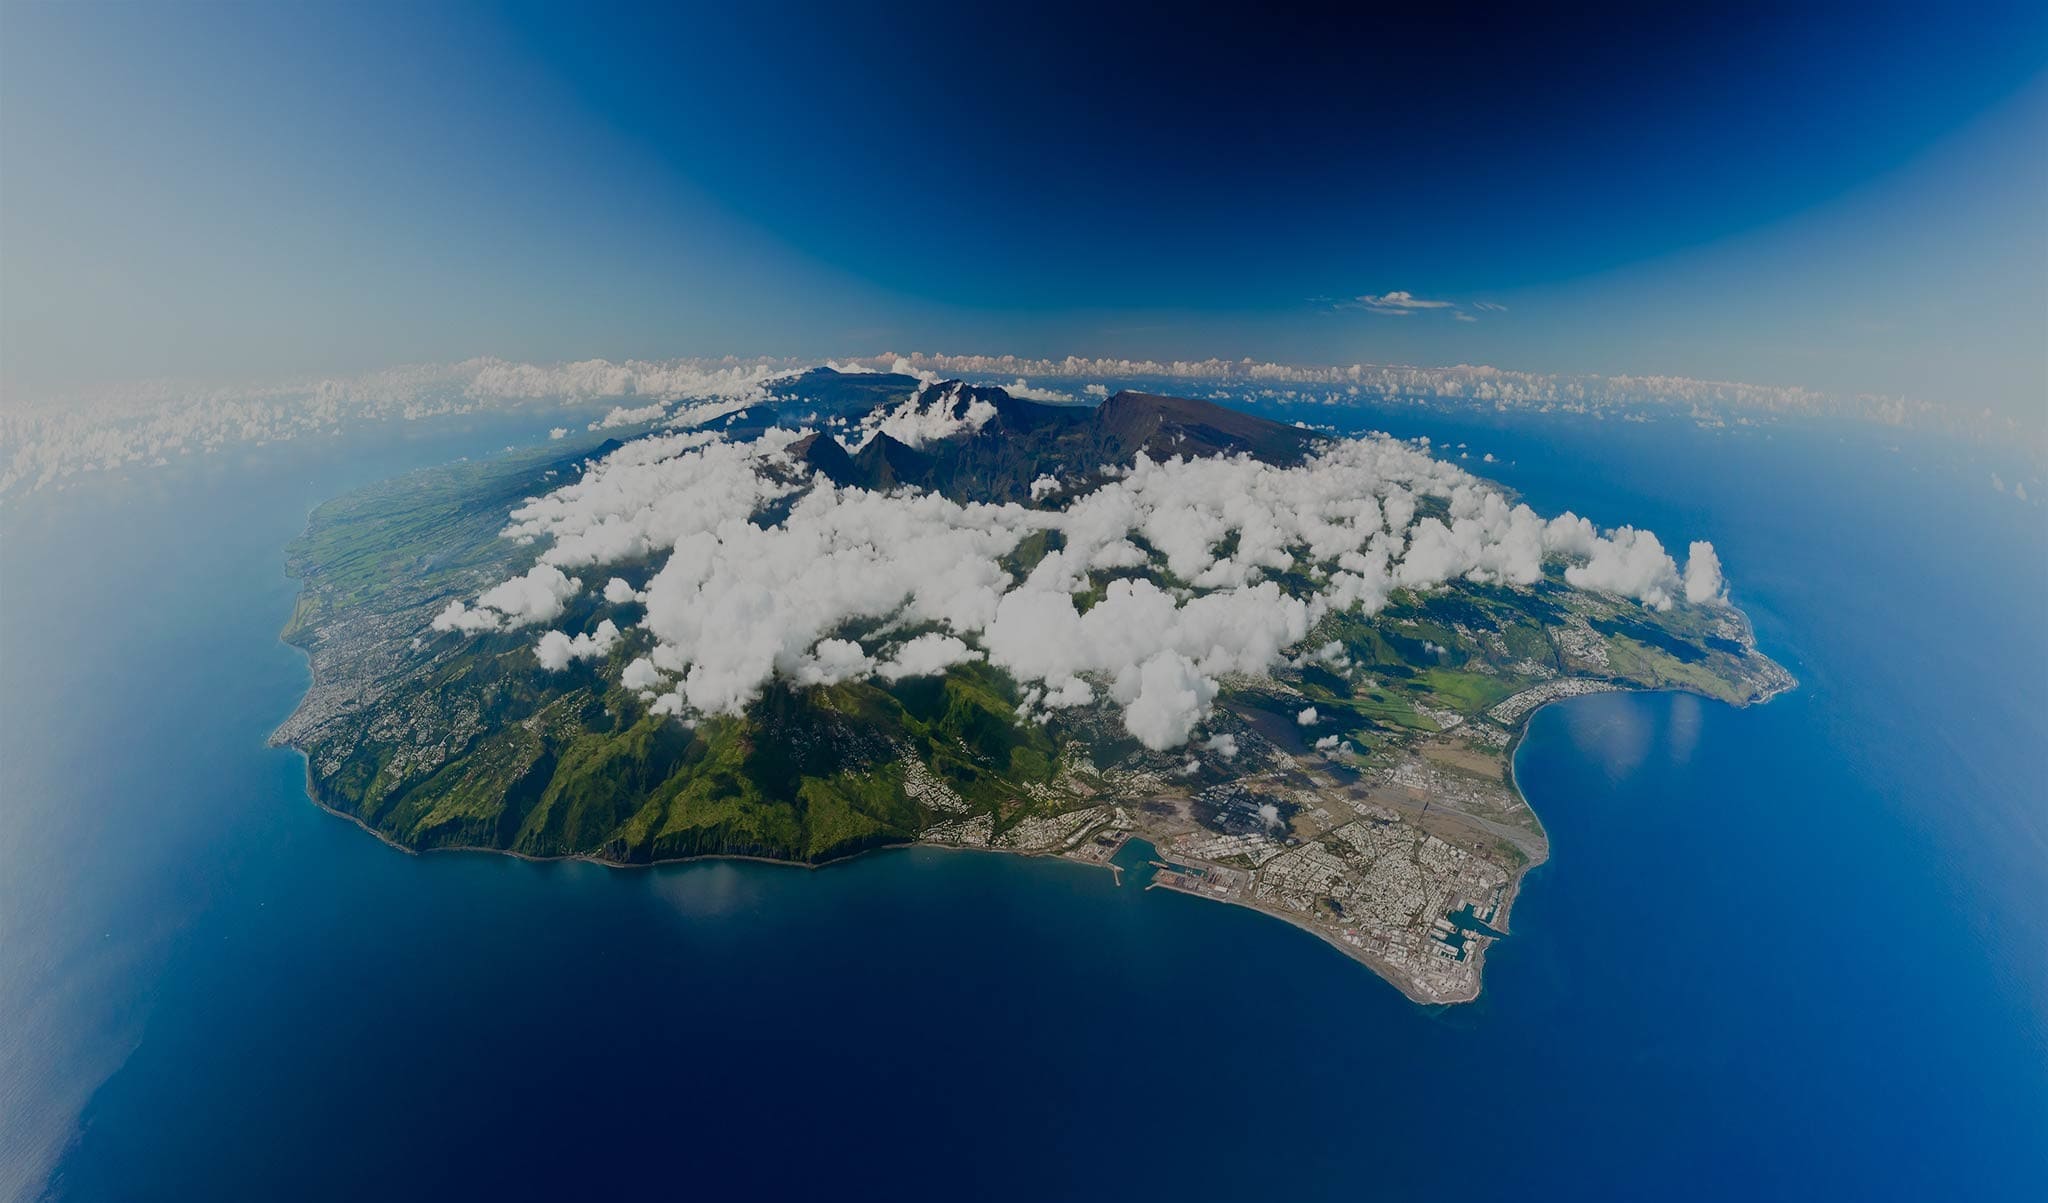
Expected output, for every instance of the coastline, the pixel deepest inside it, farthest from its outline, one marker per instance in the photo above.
(1356, 954)
(1503, 916)
(312, 795)
(1500, 921)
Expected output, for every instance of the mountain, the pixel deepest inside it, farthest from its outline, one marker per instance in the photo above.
(1016, 441)
(1129, 423)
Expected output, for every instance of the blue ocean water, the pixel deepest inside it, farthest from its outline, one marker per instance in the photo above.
(1793, 951)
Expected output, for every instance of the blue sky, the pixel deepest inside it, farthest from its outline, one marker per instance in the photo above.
(1852, 199)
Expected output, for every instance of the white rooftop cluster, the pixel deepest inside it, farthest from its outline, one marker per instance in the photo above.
(732, 605)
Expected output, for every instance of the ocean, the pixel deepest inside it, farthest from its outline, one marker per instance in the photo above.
(1792, 951)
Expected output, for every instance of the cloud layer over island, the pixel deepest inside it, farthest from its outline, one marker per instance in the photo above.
(855, 583)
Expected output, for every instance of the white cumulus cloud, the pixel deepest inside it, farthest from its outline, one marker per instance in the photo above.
(736, 604)
(1026, 391)
(1399, 303)
(925, 655)
(1703, 584)
(538, 596)
(929, 414)
(556, 650)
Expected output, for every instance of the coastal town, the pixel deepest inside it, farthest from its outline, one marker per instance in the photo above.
(1407, 856)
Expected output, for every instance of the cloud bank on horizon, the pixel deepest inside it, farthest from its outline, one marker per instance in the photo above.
(59, 440)
(854, 584)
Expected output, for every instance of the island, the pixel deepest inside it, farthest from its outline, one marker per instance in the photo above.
(853, 611)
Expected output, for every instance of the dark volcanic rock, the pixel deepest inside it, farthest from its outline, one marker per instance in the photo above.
(1166, 426)
(1025, 440)
(823, 453)
(886, 462)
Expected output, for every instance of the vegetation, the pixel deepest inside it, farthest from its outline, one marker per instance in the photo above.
(447, 740)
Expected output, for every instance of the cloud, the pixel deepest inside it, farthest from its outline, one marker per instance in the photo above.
(736, 605)
(1308, 716)
(538, 596)
(929, 414)
(1703, 584)
(1023, 390)
(1631, 563)
(556, 650)
(1330, 655)
(1406, 304)
(641, 676)
(637, 416)
(926, 655)
(51, 442)
(57, 441)
(458, 617)
(1398, 303)
(596, 379)
(1164, 698)
(833, 661)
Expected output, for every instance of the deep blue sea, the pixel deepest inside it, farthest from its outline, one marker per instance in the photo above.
(1794, 951)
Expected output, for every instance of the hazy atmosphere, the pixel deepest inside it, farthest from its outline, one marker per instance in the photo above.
(228, 194)
(1422, 603)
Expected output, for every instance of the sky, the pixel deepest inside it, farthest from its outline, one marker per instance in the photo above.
(1845, 198)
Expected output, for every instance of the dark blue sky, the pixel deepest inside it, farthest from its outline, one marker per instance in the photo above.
(1847, 197)
(1224, 158)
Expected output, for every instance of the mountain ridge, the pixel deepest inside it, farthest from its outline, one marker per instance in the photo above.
(1021, 441)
